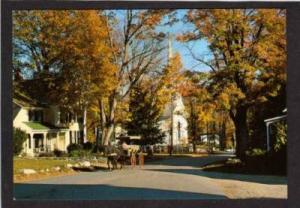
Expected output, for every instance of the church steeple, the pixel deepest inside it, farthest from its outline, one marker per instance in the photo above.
(170, 51)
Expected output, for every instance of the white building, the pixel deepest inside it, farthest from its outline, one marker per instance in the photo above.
(47, 128)
(173, 122)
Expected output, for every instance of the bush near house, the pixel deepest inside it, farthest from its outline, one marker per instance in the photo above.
(78, 150)
(274, 161)
(98, 148)
(19, 137)
(73, 147)
(58, 153)
(88, 146)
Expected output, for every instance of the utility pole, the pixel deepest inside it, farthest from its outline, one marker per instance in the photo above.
(170, 55)
(172, 126)
(208, 141)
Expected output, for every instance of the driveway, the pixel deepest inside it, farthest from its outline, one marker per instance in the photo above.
(173, 178)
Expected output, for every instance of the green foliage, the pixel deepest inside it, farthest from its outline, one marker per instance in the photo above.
(144, 117)
(256, 152)
(73, 147)
(88, 146)
(281, 136)
(58, 153)
(19, 137)
(98, 149)
(79, 153)
(78, 150)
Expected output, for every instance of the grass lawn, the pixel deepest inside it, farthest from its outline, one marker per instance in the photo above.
(37, 164)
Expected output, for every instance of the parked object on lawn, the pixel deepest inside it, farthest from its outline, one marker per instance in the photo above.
(27, 171)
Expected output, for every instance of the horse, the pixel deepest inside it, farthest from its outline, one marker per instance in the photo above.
(114, 157)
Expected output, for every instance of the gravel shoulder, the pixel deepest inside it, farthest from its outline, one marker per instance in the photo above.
(235, 189)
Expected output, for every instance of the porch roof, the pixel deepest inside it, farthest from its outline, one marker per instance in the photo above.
(42, 126)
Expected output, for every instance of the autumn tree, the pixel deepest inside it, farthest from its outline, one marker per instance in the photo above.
(136, 51)
(88, 71)
(195, 96)
(66, 54)
(248, 50)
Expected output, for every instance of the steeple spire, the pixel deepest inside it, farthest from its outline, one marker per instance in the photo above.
(170, 46)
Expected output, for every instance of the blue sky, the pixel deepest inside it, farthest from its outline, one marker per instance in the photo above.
(199, 47)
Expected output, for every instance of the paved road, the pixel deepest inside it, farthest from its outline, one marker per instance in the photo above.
(173, 178)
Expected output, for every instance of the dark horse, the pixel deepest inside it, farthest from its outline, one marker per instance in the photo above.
(115, 156)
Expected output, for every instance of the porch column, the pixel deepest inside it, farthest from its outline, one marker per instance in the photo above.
(50, 141)
(45, 141)
(30, 149)
(31, 146)
(57, 140)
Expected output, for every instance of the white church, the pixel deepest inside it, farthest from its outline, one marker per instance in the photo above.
(173, 122)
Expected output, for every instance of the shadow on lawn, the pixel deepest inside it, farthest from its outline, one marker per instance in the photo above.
(188, 161)
(101, 192)
(90, 169)
(263, 179)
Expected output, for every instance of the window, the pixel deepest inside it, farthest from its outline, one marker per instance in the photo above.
(36, 115)
(179, 130)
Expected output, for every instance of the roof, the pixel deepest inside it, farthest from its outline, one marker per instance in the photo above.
(36, 126)
(274, 119)
(41, 126)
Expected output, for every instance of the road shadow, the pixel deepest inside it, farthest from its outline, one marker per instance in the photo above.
(101, 192)
(263, 179)
(190, 161)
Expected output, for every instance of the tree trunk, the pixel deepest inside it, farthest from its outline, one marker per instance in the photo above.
(102, 119)
(110, 124)
(194, 146)
(241, 130)
(108, 133)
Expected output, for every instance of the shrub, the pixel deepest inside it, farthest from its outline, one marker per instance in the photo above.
(256, 152)
(280, 135)
(79, 153)
(75, 153)
(73, 147)
(19, 137)
(97, 149)
(47, 154)
(88, 146)
(58, 153)
(277, 160)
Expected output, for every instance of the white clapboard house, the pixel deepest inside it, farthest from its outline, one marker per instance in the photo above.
(46, 126)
